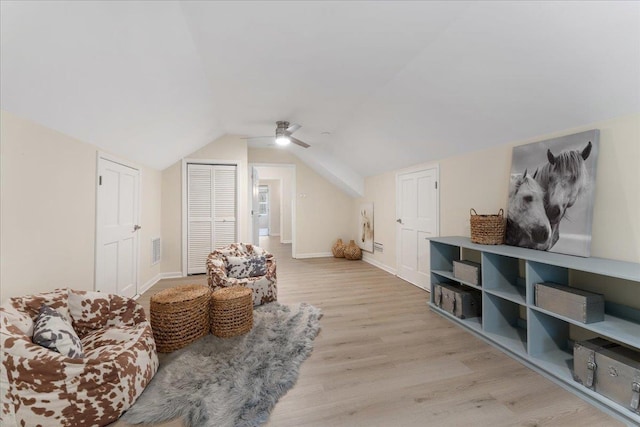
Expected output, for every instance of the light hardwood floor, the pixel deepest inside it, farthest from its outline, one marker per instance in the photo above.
(384, 359)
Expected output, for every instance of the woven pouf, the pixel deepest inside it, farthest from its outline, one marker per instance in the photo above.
(231, 311)
(179, 316)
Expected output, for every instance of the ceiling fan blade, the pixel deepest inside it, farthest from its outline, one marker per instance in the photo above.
(294, 127)
(298, 142)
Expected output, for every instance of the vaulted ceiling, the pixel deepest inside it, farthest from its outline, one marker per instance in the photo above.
(376, 86)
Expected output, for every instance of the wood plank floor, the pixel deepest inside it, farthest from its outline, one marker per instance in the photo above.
(384, 359)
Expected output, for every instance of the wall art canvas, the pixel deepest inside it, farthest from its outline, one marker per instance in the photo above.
(551, 194)
(365, 228)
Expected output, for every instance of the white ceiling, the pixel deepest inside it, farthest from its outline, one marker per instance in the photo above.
(395, 83)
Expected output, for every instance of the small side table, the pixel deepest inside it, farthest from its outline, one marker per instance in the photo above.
(179, 316)
(231, 311)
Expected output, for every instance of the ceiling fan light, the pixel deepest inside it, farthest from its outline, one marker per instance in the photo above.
(283, 140)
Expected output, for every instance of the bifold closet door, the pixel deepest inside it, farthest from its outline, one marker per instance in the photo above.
(211, 212)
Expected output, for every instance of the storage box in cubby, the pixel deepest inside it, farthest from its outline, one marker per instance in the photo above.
(467, 271)
(460, 301)
(609, 369)
(576, 304)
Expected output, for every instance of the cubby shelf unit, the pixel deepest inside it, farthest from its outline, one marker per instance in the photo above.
(537, 337)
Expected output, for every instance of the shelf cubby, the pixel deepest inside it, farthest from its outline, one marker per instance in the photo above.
(501, 277)
(473, 323)
(541, 339)
(501, 322)
(537, 272)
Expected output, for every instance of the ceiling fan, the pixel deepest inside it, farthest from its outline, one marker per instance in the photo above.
(283, 134)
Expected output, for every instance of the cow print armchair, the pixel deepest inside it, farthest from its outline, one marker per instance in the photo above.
(104, 358)
(243, 264)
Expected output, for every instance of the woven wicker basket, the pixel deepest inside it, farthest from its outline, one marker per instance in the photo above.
(487, 229)
(352, 251)
(179, 316)
(231, 311)
(338, 249)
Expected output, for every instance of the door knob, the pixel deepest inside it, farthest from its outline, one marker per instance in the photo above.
(399, 220)
(136, 228)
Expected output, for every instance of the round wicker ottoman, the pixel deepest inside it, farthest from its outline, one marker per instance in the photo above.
(231, 311)
(179, 316)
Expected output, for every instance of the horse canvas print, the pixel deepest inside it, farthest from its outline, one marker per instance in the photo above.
(365, 229)
(551, 194)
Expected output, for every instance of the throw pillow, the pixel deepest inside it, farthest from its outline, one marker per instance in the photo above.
(243, 267)
(53, 331)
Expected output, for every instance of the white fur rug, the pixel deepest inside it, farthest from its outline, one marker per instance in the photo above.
(232, 381)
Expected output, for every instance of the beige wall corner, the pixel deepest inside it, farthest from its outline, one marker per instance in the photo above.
(228, 148)
(381, 191)
(48, 190)
(479, 180)
(323, 211)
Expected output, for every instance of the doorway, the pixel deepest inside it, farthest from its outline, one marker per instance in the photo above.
(278, 201)
(117, 225)
(417, 221)
(263, 210)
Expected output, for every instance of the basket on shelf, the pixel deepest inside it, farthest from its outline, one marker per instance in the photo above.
(487, 229)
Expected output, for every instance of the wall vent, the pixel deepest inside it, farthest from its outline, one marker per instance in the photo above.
(156, 251)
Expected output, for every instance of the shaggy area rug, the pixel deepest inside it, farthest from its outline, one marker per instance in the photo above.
(232, 381)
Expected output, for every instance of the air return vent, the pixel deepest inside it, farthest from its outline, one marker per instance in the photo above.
(155, 251)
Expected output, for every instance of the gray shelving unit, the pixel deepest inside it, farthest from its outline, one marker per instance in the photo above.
(537, 337)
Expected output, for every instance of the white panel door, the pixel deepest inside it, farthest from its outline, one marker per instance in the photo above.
(417, 220)
(117, 222)
(211, 212)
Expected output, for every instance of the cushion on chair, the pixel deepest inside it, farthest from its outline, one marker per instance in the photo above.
(241, 267)
(54, 332)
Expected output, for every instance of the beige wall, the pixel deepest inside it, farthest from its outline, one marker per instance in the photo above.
(227, 148)
(480, 179)
(323, 211)
(48, 188)
(381, 190)
(151, 221)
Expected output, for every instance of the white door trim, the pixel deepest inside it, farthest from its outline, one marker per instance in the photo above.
(414, 169)
(185, 162)
(294, 200)
(110, 157)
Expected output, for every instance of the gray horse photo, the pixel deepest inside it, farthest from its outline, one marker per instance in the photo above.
(551, 194)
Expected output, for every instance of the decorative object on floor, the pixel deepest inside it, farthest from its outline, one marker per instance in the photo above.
(365, 227)
(352, 251)
(231, 311)
(549, 178)
(233, 381)
(43, 387)
(487, 229)
(179, 316)
(338, 249)
(264, 287)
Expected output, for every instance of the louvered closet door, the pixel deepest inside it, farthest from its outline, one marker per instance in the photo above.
(211, 212)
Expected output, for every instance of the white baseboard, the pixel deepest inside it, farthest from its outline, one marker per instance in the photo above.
(155, 279)
(172, 275)
(314, 255)
(149, 283)
(371, 260)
